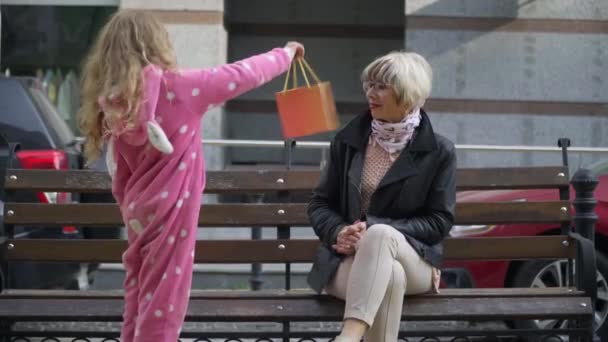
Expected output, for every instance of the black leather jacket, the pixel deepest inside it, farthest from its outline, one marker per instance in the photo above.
(417, 195)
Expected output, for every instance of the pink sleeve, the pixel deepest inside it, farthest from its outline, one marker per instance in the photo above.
(220, 84)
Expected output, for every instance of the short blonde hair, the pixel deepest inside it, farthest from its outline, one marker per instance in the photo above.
(408, 73)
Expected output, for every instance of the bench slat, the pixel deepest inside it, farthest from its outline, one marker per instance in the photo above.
(488, 213)
(506, 178)
(299, 293)
(222, 215)
(226, 215)
(293, 180)
(272, 251)
(323, 307)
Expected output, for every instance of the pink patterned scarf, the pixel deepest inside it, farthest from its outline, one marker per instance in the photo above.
(394, 137)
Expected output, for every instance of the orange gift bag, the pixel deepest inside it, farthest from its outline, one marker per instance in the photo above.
(306, 110)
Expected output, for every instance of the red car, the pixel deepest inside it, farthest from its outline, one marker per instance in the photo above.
(533, 273)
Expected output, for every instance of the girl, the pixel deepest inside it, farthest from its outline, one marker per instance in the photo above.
(149, 112)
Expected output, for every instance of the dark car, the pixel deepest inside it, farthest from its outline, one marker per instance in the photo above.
(46, 142)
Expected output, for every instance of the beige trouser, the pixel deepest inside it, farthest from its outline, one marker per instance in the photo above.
(374, 281)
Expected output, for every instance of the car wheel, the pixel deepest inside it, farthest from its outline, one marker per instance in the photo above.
(554, 273)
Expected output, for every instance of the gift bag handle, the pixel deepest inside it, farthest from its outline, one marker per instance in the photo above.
(291, 66)
(303, 67)
(309, 68)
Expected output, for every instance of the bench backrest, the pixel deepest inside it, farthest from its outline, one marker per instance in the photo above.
(282, 215)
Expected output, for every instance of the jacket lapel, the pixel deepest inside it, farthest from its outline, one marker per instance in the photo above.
(402, 168)
(355, 170)
(354, 182)
(356, 134)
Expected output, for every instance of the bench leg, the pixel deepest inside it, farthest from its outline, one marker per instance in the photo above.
(5, 328)
(573, 324)
(286, 331)
(589, 326)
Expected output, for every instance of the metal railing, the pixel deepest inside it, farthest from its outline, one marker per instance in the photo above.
(324, 147)
(325, 144)
(466, 147)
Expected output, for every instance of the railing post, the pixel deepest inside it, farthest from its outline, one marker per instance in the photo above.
(584, 183)
(256, 281)
(564, 195)
(564, 143)
(324, 158)
(7, 157)
(284, 231)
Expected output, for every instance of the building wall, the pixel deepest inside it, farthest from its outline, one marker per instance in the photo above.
(515, 73)
(341, 38)
(200, 40)
(512, 72)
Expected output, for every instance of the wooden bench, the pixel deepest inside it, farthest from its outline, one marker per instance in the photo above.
(287, 305)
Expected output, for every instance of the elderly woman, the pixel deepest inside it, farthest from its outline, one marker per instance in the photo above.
(384, 202)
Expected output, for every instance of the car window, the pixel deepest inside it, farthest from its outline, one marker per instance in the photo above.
(19, 121)
(57, 127)
(600, 167)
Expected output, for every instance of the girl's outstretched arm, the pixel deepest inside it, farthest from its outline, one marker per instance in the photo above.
(214, 86)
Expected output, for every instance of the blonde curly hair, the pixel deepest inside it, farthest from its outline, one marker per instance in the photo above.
(113, 70)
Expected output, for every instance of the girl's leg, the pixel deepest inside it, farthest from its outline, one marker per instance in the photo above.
(166, 280)
(132, 263)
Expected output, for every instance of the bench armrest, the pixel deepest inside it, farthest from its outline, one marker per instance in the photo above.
(586, 266)
(3, 241)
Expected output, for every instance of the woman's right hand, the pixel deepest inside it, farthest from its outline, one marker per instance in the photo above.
(348, 238)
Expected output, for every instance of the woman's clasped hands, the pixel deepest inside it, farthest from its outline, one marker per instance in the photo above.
(348, 238)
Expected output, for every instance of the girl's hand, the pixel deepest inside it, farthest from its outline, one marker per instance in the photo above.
(297, 48)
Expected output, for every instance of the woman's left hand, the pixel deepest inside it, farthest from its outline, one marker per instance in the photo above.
(344, 249)
(349, 237)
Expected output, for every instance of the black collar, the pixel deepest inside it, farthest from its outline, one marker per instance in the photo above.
(356, 133)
